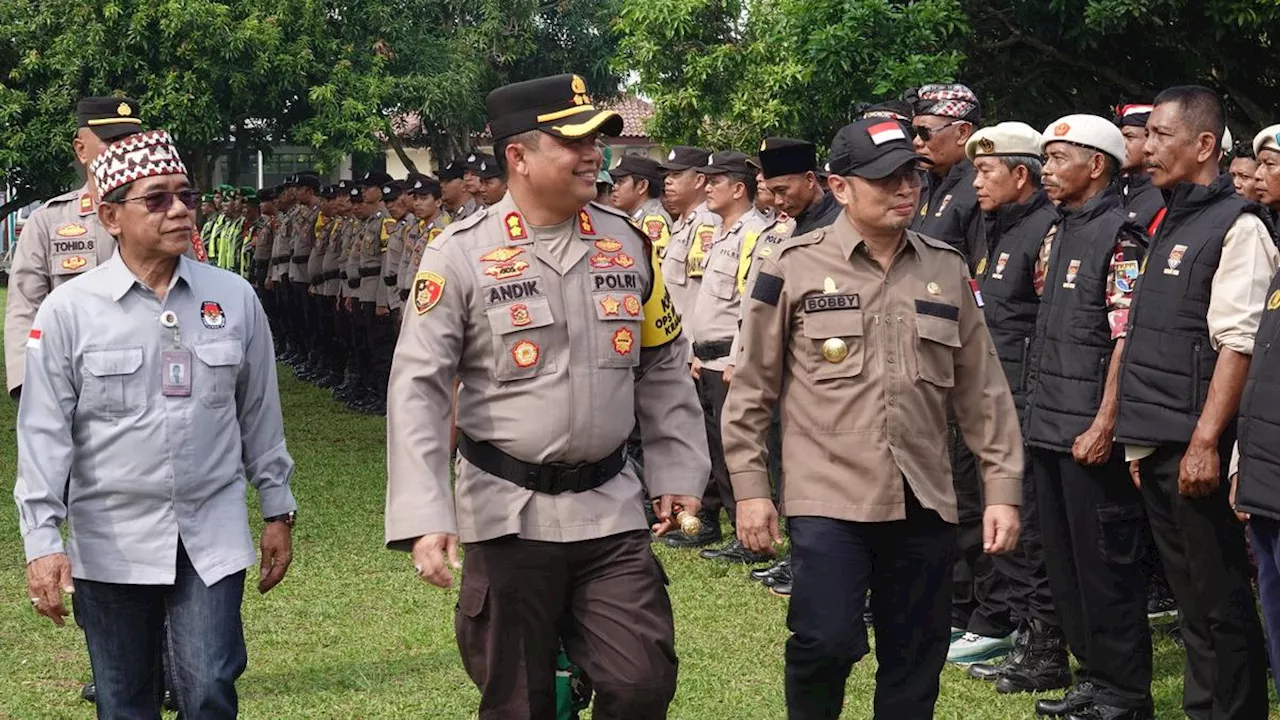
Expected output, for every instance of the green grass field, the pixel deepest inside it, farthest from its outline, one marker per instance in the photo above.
(351, 633)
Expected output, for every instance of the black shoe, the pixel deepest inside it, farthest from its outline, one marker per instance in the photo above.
(735, 552)
(1160, 602)
(1041, 666)
(781, 590)
(1079, 697)
(89, 693)
(759, 574)
(710, 535)
(1107, 712)
(991, 671)
(170, 701)
(782, 577)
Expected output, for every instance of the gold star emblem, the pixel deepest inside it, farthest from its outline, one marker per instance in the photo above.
(610, 305)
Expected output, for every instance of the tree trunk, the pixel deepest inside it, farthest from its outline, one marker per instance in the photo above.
(18, 202)
(398, 146)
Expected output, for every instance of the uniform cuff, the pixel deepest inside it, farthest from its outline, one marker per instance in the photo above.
(41, 542)
(750, 485)
(1003, 491)
(277, 500)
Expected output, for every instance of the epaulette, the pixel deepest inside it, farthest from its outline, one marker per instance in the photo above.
(456, 227)
(934, 242)
(813, 237)
(64, 197)
(470, 221)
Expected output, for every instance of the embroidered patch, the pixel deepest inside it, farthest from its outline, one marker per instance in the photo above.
(623, 341)
(584, 223)
(1073, 269)
(982, 266)
(515, 226)
(1175, 259)
(1273, 302)
(600, 261)
(500, 255)
(609, 245)
(1000, 263)
(507, 270)
(768, 288)
(1126, 275)
(632, 305)
(525, 354)
(72, 230)
(520, 315)
(623, 260)
(428, 288)
(211, 315)
(653, 228)
(610, 305)
(825, 302)
(33, 339)
(75, 262)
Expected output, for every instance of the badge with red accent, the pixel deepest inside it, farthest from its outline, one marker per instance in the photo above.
(502, 254)
(609, 245)
(515, 226)
(525, 354)
(507, 270)
(653, 228)
(197, 246)
(584, 223)
(72, 230)
(73, 263)
(520, 315)
(601, 261)
(623, 341)
(977, 294)
(33, 339)
(211, 315)
(706, 236)
(632, 305)
(86, 204)
(428, 288)
(610, 305)
(624, 260)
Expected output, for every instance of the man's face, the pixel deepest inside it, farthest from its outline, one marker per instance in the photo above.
(451, 192)
(685, 189)
(471, 182)
(1134, 139)
(1069, 172)
(996, 184)
(887, 204)
(399, 207)
(251, 213)
(371, 195)
(1174, 152)
(492, 190)
(207, 208)
(1268, 178)
(425, 206)
(1243, 171)
(764, 196)
(628, 193)
(560, 172)
(268, 207)
(792, 194)
(945, 143)
(152, 218)
(723, 193)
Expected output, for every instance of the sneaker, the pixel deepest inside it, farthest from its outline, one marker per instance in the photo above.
(956, 633)
(972, 648)
(1160, 603)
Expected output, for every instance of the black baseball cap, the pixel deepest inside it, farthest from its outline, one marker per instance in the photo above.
(638, 165)
(786, 156)
(728, 161)
(559, 105)
(683, 157)
(343, 187)
(356, 193)
(374, 177)
(309, 180)
(420, 184)
(451, 170)
(110, 118)
(872, 149)
(267, 194)
(391, 190)
(488, 168)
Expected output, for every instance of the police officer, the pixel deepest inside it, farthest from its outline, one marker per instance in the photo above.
(335, 234)
(364, 277)
(493, 185)
(1142, 200)
(1191, 335)
(301, 239)
(714, 321)
(1016, 217)
(694, 228)
(859, 332)
(351, 331)
(517, 302)
(471, 176)
(1092, 519)
(638, 184)
(278, 272)
(946, 116)
(62, 240)
(152, 343)
(400, 207)
(458, 203)
(431, 221)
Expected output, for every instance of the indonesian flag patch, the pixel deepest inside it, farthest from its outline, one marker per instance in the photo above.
(33, 339)
(884, 132)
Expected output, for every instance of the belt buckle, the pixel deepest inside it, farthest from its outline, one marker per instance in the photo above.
(568, 477)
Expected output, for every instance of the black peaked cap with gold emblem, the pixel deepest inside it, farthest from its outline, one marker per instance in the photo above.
(110, 118)
(558, 105)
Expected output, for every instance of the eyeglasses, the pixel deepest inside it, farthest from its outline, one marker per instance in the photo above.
(161, 200)
(909, 173)
(925, 133)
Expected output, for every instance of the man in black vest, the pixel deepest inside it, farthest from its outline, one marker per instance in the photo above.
(1191, 336)
(1141, 199)
(1016, 217)
(1091, 516)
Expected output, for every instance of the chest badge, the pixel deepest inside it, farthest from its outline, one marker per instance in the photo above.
(500, 255)
(1273, 302)
(73, 263)
(623, 260)
(623, 341)
(1073, 269)
(525, 354)
(211, 315)
(72, 230)
(1175, 259)
(933, 288)
(982, 266)
(834, 350)
(828, 286)
(946, 201)
(632, 305)
(610, 305)
(609, 245)
(520, 315)
(1001, 262)
(600, 261)
(507, 270)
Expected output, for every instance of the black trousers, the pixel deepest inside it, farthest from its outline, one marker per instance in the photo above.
(980, 594)
(712, 392)
(301, 310)
(381, 343)
(360, 344)
(1203, 550)
(284, 314)
(1021, 574)
(906, 564)
(1093, 545)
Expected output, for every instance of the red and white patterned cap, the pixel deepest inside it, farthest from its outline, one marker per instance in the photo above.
(142, 155)
(953, 101)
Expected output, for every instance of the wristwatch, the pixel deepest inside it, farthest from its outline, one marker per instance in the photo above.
(289, 518)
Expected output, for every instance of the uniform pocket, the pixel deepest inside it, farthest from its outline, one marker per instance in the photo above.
(113, 385)
(215, 378)
(519, 343)
(617, 329)
(1121, 532)
(720, 284)
(837, 343)
(937, 339)
(469, 625)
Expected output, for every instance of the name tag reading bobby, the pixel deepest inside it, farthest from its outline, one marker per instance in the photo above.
(821, 303)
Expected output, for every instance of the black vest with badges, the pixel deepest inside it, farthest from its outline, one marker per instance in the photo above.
(1168, 359)
(949, 209)
(1072, 348)
(1142, 200)
(1013, 235)
(1258, 491)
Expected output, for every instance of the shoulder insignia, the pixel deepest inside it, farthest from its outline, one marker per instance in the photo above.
(936, 243)
(514, 224)
(86, 204)
(428, 288)
(585, 225)
(812, 237)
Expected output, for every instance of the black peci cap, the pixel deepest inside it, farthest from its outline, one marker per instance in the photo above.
(557, 105)
(110, 118)
(871, 149)
(786, 156)
(683, 157)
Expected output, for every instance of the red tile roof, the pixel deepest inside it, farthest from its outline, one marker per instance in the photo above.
(635, 113)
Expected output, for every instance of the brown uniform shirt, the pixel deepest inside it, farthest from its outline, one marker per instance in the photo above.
(397, 239)
(559, 356)
(59, 242)
(282, 246)
(872, 408)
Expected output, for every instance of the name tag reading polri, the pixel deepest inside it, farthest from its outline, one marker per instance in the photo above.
(175, 368)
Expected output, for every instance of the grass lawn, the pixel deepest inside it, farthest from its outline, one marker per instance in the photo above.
(351, 633)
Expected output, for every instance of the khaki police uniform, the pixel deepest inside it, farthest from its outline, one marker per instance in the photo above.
(691, 238)
(391, 261)
(655, 223)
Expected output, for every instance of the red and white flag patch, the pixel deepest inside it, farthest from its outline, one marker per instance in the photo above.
(884, 132)
(33, 339)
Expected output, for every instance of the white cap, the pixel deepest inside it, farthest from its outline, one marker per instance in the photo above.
(1268, 139)
(1004, 140)
(1227, 140)
(1090, 131)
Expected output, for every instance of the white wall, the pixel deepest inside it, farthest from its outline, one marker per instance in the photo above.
(420, 157)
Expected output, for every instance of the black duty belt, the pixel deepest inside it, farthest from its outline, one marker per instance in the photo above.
(280, 258)
(713, 350)
(353, 283)
(370, 272)
(301, 259)
(389, 280)
(552, 479)
(331, 275)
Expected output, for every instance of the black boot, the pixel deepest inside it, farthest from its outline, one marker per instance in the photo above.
(992, 671)
(1107, 712)
(89, 693)
(1044, 664)
(1079, 697)
(764, 574)
(710, 534)
(734, 552)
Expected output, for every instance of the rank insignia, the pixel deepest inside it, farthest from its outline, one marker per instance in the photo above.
(520, 315)
(428, 288)
(624, 260)
(1273, 302)
(623, 341)
(609, 245)
(515, 226)
(632, 305)
(584, 223)
(1175, 259)
(500, 255)
(72, 230)
(525, 354)
(653, 228)
(86, 204)
(507, 270)
(601, 261)
(211, 315)
(75, 262)
(610, 305)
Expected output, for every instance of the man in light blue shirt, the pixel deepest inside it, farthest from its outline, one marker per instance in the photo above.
(149, 400)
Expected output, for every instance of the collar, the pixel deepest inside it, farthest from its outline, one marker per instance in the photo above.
(850, 239)
(1103, 202)
(1007, 216)
(119, 279)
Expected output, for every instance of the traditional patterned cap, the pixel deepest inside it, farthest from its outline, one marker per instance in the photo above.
(134, 157)
(1133, 115)
(947, 100)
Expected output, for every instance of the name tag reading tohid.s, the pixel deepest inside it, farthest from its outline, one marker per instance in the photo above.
(175, 363)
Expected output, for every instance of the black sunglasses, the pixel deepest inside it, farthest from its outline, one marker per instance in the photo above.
(926, 133)
(161, 200)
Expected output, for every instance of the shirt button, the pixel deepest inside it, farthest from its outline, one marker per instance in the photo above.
(892, 400)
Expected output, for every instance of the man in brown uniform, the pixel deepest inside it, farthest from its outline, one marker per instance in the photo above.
(862, 332)
(547, 309)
